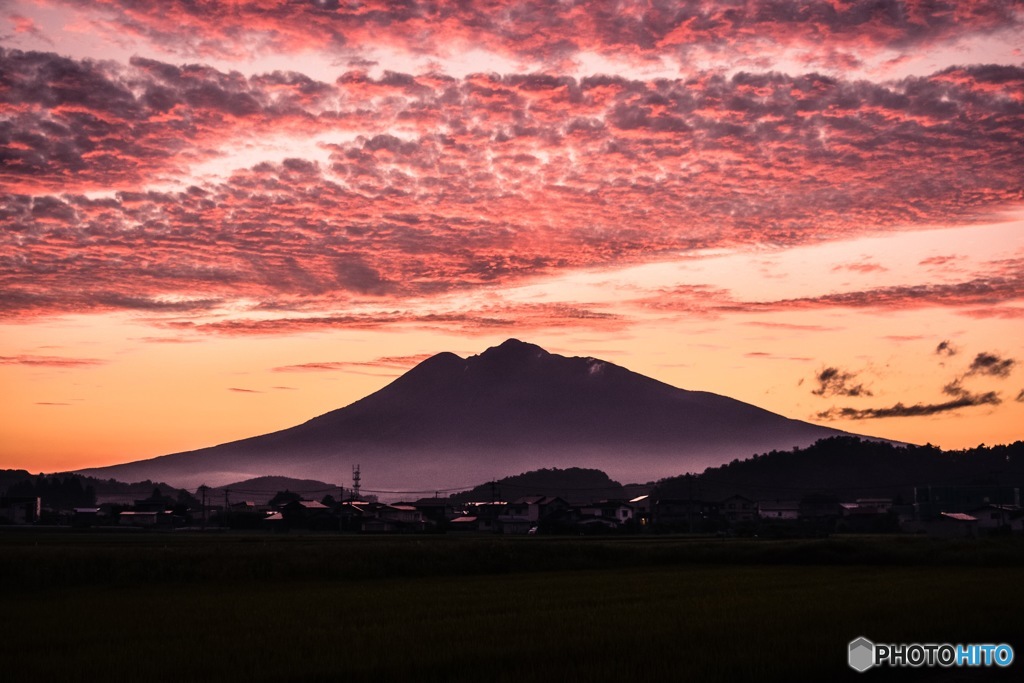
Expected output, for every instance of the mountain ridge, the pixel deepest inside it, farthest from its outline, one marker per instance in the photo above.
(514, 407)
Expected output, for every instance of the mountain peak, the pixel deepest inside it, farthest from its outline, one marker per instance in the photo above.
(513, 349)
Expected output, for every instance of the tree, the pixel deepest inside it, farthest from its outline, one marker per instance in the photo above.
(283, 498)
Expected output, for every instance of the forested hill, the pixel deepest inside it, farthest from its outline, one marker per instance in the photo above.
(574, 484)
(67, 490)
(849, 468)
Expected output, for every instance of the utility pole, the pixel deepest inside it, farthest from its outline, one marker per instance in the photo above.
(225, 518)
(203, 489)
(689, 505)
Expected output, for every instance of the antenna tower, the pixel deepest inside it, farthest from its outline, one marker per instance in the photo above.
(355, 482)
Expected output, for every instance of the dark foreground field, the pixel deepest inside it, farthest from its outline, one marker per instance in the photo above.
(325, 608)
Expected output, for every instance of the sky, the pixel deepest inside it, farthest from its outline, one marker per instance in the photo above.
(220, 219)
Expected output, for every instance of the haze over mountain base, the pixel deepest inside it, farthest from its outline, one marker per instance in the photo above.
(452, 422)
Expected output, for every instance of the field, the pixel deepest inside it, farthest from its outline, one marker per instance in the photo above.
(93, 607)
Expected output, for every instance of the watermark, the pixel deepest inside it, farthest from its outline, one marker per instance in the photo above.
(864, 654)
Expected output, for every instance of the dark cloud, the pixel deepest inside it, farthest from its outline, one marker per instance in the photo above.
(946, 348)
(955, 389)
(992, 365)
(966, 400)
(835, 382)
(1020, 397)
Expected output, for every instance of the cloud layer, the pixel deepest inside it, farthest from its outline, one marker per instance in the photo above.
(536, 31)
(427, 184)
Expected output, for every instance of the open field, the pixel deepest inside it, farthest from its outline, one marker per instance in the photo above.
(307, 608)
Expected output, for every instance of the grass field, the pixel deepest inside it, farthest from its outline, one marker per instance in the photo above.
(151, 607)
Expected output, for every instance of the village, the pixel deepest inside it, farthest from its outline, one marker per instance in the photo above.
(949, 512)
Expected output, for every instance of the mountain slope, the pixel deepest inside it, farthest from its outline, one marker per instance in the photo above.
(451, 421)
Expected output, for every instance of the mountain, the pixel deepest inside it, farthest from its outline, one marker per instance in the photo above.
(450, 422)
(260, 490)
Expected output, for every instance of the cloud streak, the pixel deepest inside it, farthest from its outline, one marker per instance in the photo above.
(50, 361)
(967, 400)
(385, 362)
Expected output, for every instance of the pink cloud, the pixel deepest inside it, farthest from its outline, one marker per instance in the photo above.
(536, 31)
(862, 267)
(504, 178)
(386, 362)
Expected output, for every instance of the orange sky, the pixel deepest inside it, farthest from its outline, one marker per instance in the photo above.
(220, 222)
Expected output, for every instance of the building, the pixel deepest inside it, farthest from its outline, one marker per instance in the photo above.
(614, 510)
(931, 501)
(686, 514)
(20, 509)
(778, 509)
(952, 525)
(526, 514)
(739, 508)
(999, 518)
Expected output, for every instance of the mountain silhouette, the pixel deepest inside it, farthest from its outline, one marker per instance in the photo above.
(453, 421)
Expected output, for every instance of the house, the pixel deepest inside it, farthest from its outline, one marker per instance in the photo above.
(407, 516)
(380, 518)
(352, 513)
(868, 515)
(931, 501)
(642, 510)
(737, 508)
(952, 525)
(779, 509)
(144, 518)
(529, 512)
(20, 509)
(686, 514)
(535, 508)
(603, 516)
(992, 518)
(309, 514)
(464, 523)
(83, 517)
(486, 515)
(879, 505)
(616, 511)
(436, 510)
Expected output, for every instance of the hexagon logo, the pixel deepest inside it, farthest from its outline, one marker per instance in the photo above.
(862, 654)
